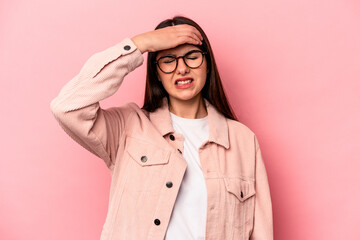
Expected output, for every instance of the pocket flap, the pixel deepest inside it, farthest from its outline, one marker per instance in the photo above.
(242, 189)
(146, 153)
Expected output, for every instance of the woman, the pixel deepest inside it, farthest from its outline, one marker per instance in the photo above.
(182, 166)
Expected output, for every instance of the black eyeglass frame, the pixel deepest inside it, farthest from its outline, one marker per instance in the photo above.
(177, 60)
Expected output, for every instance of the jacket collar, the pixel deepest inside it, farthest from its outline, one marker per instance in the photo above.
(218, 128)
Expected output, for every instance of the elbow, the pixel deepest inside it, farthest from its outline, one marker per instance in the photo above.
(54, 107)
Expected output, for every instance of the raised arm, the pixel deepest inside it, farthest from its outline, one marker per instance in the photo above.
(77, 108)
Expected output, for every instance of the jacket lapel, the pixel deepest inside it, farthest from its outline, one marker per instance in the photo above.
(218, 128)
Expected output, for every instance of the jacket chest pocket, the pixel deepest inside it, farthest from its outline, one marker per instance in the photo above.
(241, 195)
(146, 168)
(146, 153)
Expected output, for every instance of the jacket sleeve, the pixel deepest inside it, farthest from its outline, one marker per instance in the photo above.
(77, 108)
(263, 221)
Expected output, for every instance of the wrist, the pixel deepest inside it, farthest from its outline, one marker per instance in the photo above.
(139, 43)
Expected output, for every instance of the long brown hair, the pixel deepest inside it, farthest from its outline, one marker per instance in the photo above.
(212, 90)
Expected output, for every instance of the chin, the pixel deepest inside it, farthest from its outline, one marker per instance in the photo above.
(185, 97)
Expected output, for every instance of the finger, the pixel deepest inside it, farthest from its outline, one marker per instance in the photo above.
(190, 39)
(195, 31)
(192, 35)
(198, 34)
(195, 36)
(187, 34)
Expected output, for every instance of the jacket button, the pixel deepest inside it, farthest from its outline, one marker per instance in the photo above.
(157, 222)
(127, 47)
(143, 158)
(172, 137)
(241, 195)
(169, 184)
(179, 151)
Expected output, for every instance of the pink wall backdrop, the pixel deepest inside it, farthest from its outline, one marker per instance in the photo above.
(290, 69)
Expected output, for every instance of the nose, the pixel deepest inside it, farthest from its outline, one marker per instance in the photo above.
(181, 67)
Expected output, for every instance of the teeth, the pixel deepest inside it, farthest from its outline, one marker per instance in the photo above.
(183, 82)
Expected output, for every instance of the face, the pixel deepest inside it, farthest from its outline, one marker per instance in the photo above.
(197, 76)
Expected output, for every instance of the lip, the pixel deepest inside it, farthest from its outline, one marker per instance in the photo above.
(185, 86)
(183, 79)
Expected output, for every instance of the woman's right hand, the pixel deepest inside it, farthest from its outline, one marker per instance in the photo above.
(168, 37)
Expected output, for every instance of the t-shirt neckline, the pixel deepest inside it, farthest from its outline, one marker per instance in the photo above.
(188, 120)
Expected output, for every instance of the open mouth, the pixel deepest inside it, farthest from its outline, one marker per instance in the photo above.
(182, 82)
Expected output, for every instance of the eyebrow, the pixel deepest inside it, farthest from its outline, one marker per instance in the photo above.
(173, 55)
(169, 55)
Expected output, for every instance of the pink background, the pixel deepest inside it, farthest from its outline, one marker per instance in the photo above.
(290, 69)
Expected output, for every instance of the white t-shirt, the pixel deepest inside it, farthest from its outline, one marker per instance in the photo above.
(188, 219)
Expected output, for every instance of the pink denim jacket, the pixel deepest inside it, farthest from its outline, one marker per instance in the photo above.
(144, 154)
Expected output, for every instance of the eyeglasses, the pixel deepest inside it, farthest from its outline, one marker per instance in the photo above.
(192, 59)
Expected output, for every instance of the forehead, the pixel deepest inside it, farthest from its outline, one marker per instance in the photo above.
(179, 50)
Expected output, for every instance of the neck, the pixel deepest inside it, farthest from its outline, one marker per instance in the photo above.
(192, 108)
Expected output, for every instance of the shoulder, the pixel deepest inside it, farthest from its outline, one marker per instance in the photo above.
(129, 107)
(132, 109)
(239, 128)
(126, 111)
(242, 134)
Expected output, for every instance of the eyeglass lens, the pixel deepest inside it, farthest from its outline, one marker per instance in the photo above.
(192, 60)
